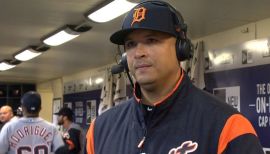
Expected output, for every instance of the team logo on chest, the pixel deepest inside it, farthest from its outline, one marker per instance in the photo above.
(185, 148)
(138, 15)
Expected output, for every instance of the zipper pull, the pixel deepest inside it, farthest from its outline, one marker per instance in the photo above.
(141, 142)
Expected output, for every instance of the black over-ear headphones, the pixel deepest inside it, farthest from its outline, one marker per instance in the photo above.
(184, 48)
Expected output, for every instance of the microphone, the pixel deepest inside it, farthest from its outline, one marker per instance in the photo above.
(122, 66)
(116, 69)
(119, 68)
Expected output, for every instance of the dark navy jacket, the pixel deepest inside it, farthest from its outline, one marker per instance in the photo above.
(188, 120)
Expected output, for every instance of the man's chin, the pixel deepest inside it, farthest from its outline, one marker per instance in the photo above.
(145, 81)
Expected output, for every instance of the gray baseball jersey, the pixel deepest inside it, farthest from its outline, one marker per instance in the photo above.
(29, 136)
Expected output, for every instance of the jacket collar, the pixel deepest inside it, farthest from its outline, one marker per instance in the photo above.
(163, 107)
(138, 94)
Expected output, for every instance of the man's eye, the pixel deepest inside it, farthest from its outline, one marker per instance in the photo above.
(151, 40)
(130, 44)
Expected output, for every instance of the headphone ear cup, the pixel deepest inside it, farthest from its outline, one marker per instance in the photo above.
(184, 49)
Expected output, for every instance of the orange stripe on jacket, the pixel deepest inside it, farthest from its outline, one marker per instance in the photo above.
(90, 139)
(70, 144)
(235, 126)
(181, 72)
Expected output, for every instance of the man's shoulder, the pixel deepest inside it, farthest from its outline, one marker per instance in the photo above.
(207, 100)
(28, 121)
(118, 109)
(14, 118)
(209, 107)
(12, 122)
(75, 126)
(11, 125)
(115, 113)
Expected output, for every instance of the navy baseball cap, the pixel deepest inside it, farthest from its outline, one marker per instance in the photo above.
(65, 111)
(31, 101)
(149, 15)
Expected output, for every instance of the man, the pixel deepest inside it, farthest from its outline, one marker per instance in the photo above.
(6, 114)
(168, 114)
(30, 134)
(72, 133)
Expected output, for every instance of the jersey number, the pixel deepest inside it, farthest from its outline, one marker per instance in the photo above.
(37, 150)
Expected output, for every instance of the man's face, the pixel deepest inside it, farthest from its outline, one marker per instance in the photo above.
(5, 114)
(60, 119)
(151, 57)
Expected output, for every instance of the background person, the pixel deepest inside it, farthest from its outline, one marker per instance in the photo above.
(72, 133)
(30, 134)
(6, 114)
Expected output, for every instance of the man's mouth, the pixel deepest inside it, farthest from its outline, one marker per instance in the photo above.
(142, 66)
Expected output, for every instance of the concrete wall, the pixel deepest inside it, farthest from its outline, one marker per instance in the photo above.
(237, 35)
(46, 93)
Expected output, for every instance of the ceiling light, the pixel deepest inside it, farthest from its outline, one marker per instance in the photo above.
(111, 11)
(65, 34)
(27, 55)
(30, 53)
(5, 65)
(99, 80)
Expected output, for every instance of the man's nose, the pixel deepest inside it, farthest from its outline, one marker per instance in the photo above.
(140, 50)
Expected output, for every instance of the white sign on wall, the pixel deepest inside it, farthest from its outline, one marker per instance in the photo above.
(230, 95)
